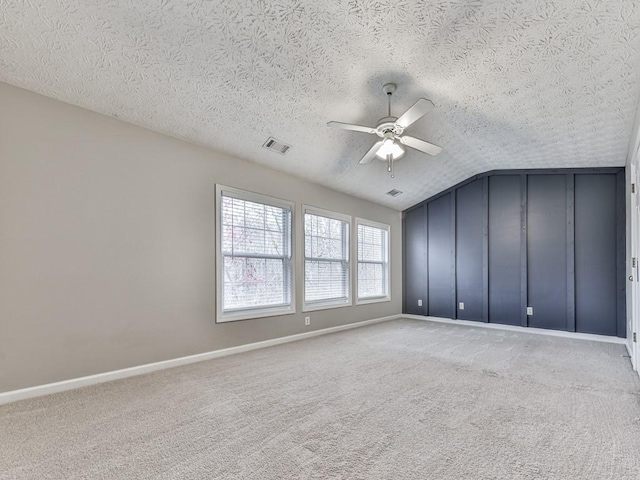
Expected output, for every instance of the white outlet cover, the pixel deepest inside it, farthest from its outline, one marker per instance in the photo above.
(419, 303)
(461, 305)
(529, 310)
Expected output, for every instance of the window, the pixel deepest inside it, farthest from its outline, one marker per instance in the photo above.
(373, 261)
(254, 252)
(326, 259)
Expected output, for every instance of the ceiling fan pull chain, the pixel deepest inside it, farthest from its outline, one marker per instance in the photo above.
(390, 166)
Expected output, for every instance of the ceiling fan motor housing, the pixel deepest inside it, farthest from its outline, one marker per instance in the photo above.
(388, 124)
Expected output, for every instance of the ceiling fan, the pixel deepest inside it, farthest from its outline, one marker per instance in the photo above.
(391, 132)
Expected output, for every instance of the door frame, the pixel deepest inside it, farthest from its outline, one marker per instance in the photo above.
(634, 274)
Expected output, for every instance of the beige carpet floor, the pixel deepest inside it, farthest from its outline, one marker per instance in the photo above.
(399, 400)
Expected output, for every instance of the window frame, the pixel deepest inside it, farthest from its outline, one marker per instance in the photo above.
(333, 303)
(252, 312)
(386, 265)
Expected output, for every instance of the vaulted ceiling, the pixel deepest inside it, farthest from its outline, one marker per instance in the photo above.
(515, 83)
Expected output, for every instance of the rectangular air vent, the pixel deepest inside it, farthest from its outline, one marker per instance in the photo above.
(394, 192)
(276, 145)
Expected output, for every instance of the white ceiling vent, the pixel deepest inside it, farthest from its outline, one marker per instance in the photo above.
(276, 145)
(394, 192)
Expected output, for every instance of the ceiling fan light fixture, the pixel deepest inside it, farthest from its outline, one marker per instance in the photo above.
(390, 147)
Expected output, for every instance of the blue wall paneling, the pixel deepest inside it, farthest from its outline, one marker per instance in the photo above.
(547, 251)
(469, 251)
(440, 255)
(503, 241)
(415, 262)
(595, 253)
(504, 249)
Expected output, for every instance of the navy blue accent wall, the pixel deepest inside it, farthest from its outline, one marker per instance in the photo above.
(547, 251)
(440, 257)
(415, 267)
(504, 249)
(507, 240)
(469, 228)
(595, 218)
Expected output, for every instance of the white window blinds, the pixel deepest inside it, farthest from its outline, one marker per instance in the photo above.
(326, 263)
(373, 263)
(256, 269)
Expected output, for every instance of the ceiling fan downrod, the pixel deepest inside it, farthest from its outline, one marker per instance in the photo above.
(389, 88)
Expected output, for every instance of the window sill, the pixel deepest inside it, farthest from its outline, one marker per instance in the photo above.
(365, 301)
(326, 305)
(253, 314)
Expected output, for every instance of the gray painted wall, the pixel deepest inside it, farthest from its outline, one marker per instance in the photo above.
(107, 244)
(552, 240)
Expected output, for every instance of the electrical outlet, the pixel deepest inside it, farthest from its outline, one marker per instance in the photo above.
(419, 303)
(307, 320)
(529, 310)
(461, 305)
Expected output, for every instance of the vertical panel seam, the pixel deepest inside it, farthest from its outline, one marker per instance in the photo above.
(571, 278)
(454, 273)
(524, 320)
(404, 263)
(427, 297)
(485, 249)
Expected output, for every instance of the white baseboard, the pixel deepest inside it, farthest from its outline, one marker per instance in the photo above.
(513, 328)
(49, 388)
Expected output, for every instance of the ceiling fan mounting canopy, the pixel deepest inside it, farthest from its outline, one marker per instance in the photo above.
(389, 88)
(391, 130)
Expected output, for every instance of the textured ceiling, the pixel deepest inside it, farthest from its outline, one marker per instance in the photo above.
(516, 83)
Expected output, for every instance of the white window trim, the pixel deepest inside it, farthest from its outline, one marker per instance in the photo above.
(273, 311)
(382, 226)
(326, 304)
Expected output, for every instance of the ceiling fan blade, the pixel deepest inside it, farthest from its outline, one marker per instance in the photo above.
(417, 111)
(349, 126)
(421, 145)
(371, 154)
